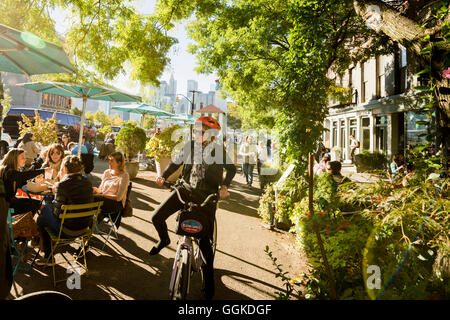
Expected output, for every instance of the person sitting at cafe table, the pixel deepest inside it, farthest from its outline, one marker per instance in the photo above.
(14, 179)
(84, 150)
(65, 141)
(30, 147)
(113, 188)
(53, 159)
(73, 188)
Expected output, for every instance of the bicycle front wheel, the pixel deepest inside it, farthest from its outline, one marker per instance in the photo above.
(214, 238)
(182, 277)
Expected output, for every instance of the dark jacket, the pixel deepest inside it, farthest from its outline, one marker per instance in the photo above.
(14, 180)
(73, 189)
(213, 173)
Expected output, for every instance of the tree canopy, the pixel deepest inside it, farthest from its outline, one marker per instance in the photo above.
(105, 38)
(273, 57)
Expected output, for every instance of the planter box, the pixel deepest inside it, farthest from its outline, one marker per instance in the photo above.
(132, 168)
(161, 166)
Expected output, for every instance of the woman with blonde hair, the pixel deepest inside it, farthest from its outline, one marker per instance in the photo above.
(113, 188)
(14, 179)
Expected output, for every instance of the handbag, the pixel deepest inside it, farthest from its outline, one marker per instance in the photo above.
(194, 223)
(128, 209)
(24, 226)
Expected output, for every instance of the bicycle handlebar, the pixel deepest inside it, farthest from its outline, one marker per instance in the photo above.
(179, 183)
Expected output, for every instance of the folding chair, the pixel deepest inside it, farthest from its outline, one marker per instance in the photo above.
(19, 248)
(111, 222)
(73, 211)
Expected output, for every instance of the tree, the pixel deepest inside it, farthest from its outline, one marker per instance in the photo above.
(117, 121)
(101, 117)
(107, 37)
(273, 57)
(75, 111)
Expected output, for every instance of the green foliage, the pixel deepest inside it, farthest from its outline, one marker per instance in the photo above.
(273, 58)
(149, 122)
(370, 161)
(266, 207)
(106, 37)
(131, 139)
(105, 129)
(75, 111)
(403, 231)
(43, 131)
(291, 285)
(162, 145)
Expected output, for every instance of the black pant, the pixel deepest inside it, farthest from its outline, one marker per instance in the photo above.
(110, 206)
(168, 207)
(24, 205)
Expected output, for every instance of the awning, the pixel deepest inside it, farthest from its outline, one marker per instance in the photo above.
(65, 119)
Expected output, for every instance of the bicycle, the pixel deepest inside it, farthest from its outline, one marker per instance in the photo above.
(188, 257)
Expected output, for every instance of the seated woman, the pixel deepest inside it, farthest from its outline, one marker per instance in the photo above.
(397, 165)
(14, 179)
(321, 167)
(53, 159)
(73, 188)
(30, 147)
(113, 188)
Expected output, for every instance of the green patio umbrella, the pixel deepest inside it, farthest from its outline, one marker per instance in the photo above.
(143, 109)
(187, 118)
(83, 91)
(24, 53)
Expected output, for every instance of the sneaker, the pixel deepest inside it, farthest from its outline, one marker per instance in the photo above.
(159, 246)
(44, 261)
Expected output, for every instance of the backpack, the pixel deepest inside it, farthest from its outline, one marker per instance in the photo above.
(128, 209)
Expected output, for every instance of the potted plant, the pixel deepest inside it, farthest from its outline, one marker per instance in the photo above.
(131, 140)
(160, 147)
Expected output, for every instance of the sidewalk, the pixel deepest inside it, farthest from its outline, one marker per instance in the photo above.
(125, 271)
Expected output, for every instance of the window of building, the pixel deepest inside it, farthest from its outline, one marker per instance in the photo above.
(363, 83)
(403, 69)
(334, 142)
(365, 133)
(415, 131)
(379, 76)
(381, 134)
(343, 137)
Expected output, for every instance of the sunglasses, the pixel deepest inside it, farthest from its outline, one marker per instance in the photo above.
(55, 152)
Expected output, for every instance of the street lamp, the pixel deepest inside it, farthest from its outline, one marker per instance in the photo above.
(192, 105)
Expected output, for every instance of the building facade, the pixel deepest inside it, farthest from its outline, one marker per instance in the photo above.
(381, 110)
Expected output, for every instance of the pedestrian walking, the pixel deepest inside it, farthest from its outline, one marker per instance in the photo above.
(354, 144)
(249, 154)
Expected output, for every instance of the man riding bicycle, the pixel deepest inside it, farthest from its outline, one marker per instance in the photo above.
(202, 177)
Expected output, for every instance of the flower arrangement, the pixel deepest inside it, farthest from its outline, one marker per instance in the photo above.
(161, 145)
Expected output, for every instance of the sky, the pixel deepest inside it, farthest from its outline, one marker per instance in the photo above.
(182, 63)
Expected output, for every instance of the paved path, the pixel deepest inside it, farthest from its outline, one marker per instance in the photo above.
(125, 270)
